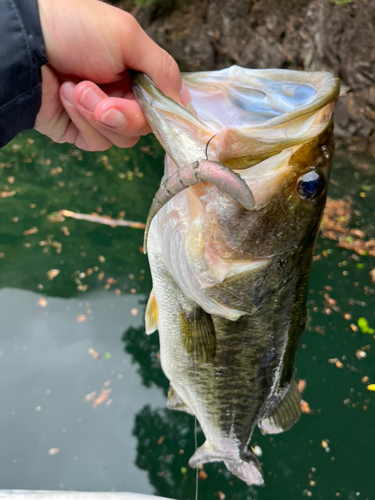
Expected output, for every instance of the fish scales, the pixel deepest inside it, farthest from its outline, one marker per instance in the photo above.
(230, 277)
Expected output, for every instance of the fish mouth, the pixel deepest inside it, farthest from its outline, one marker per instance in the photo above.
(247, 115)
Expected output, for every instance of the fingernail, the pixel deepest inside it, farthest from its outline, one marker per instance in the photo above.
(90, 99)
(68, 91)
(113, 118)
(185, 96)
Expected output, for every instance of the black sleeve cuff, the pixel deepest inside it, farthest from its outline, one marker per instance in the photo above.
(22, 53)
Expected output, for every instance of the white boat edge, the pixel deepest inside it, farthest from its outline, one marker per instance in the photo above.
(73, 495)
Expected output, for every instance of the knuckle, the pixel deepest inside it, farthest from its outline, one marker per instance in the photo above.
(130, 23)
(169, 70)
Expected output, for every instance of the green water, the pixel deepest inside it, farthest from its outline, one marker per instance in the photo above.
(130, 442)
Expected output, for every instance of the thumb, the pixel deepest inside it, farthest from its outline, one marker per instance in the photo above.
(143, 54)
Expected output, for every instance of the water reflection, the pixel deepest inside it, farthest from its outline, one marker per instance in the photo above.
(45, 373)
(165, 444)
(144, 350)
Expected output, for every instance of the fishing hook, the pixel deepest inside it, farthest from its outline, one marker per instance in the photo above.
(208, 144)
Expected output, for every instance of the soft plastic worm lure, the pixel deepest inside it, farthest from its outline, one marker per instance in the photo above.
(205, 170)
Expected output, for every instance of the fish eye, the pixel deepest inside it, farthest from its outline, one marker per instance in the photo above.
(310, 185)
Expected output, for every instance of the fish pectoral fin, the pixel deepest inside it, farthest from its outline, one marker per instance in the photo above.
(152, 314)
(286, 413)
(198, 334)
(174, 402)
(247, 470)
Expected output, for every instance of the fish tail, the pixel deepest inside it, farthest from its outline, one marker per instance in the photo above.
(249, 472)
(247, 469)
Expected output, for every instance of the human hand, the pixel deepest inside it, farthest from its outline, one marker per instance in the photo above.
(90, 41)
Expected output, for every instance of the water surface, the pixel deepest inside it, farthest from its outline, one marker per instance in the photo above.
(130, 442)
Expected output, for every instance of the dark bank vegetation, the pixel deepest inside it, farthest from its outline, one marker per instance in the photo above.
(313, 35)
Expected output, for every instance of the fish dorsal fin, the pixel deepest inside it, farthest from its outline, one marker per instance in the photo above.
(198, 334)
(286, 413)
(174, 402)
(152, 314)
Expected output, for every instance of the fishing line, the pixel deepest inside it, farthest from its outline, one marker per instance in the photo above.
(195, 383)
(196, 446)
(209, 143)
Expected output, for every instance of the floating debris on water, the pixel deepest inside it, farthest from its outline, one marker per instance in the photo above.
(301, 385)
(53, 451)
(335, 224)
(202, 475)
(33, 230)
(103, 396)
(258, 451)
(55, 171)
(305, 407)
(52, 273)
(95, 355)
(364, 326)
(7, 194)
(325, 445)
(360, 354)
(336, 362)
(89, 397)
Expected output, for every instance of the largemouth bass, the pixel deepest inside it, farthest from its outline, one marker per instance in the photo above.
(230, 241)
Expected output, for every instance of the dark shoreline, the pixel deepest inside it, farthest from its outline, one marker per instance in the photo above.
(307, 35)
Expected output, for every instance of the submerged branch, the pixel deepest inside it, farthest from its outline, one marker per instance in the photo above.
(102, 219)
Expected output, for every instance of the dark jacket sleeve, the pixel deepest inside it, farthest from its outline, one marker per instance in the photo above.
(22, 53)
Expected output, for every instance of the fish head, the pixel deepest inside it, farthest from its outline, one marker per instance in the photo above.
(290, 190)
(274, 129)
